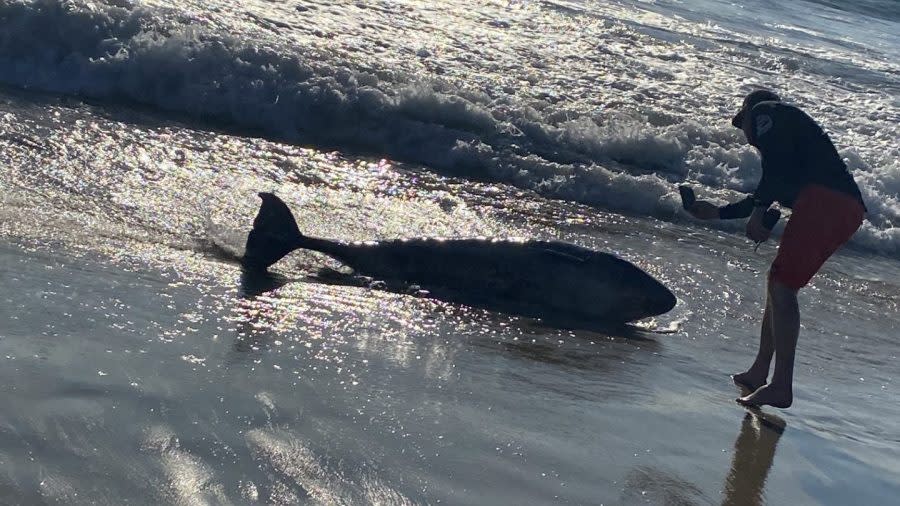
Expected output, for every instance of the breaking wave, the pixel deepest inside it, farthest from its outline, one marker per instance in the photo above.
(174, 61)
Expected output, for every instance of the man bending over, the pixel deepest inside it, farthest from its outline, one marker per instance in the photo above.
(803, 171)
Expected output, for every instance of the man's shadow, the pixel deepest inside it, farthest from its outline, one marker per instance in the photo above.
(754, 453)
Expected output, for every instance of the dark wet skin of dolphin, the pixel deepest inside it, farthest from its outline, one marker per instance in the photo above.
(549, 280)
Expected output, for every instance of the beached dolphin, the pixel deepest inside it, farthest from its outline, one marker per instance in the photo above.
(549, 280)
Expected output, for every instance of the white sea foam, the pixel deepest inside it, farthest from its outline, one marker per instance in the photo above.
(621, 158)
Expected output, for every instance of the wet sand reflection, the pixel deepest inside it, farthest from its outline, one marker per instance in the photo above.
(754, 452)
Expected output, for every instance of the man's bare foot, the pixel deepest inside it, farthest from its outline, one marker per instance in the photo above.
(748, 381)
(769, 395)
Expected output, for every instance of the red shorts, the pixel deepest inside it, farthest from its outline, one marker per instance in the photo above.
(822, 220)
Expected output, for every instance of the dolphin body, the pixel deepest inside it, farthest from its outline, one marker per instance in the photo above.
(549, 280)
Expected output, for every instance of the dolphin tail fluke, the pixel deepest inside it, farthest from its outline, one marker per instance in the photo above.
(274, 234)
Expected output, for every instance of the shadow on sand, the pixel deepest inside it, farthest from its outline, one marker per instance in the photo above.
(577, 346)
(253, 284)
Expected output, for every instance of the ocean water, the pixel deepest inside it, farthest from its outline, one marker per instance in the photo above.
(143, 368)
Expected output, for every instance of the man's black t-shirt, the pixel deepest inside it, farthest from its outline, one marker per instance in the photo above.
(795, 153)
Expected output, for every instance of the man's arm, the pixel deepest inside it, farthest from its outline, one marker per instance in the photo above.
(756, 229)
(739, 209)
(765, 190)
(706, 210)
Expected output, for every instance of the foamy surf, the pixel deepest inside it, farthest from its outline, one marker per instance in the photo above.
(582, 140)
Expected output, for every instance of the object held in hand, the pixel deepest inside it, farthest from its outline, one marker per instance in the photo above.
(687, 197)
(770, 218)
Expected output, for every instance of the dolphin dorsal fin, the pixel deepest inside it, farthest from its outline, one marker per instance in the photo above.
(275, 218)
(274, 235)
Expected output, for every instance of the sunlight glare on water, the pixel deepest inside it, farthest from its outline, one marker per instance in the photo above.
(143, 366)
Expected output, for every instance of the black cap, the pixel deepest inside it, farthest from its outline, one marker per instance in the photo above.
(753, 98)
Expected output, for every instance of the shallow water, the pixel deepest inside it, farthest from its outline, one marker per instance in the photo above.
(134, 385)
(142, 367)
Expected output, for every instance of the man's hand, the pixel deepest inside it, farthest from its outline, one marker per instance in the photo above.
(755, 229)
(704, 210)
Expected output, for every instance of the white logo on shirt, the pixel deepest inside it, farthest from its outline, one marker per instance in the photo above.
(763, 124)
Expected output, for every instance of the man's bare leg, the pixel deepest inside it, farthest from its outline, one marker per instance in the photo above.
(785, 329)
(755, 377)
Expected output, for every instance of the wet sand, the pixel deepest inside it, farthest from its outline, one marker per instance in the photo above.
(129, 385)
